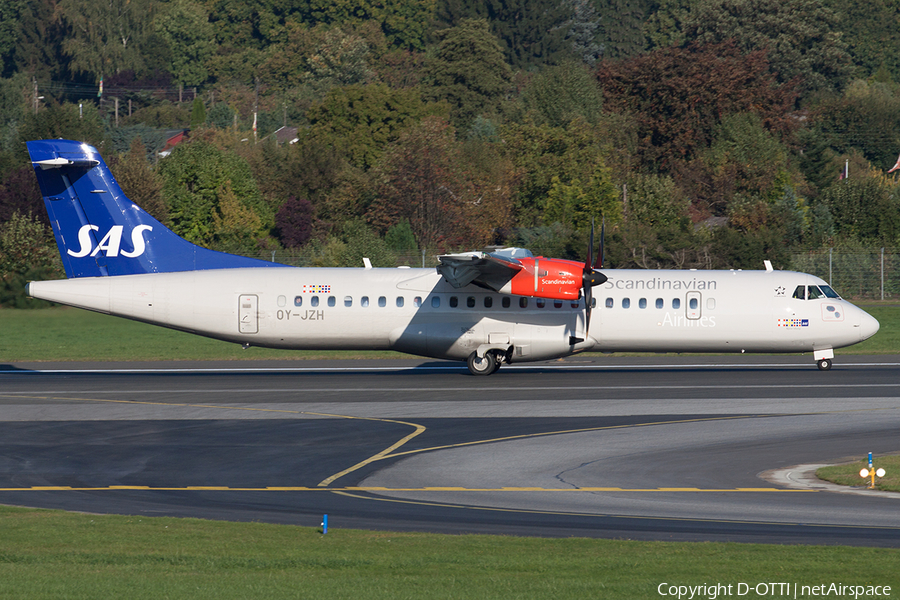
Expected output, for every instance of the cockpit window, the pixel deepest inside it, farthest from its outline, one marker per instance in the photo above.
(814, 293)
(800, 292)
(829, 293)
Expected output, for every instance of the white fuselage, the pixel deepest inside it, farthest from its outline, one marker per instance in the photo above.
(416, 311)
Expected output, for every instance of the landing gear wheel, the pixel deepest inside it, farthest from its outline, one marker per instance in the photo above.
(482, 366)
(824, 364)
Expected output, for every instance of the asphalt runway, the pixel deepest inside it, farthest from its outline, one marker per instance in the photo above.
(664, 447)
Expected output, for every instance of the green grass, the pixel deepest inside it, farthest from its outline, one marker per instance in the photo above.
(66, 334)
(849, 474)
(52, 554)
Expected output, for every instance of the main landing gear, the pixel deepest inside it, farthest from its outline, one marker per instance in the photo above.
(486, 365)
(824, 364)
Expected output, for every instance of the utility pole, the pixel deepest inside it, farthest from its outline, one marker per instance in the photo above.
(116, 99)
(255, 106)
(34, 100)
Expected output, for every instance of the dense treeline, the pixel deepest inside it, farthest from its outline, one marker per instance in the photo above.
(707, 133)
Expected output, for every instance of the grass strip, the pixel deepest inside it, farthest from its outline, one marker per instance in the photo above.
(53, 554)
(69, 334)
(848, 474)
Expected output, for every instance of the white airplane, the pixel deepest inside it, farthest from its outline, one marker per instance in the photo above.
(484, 308)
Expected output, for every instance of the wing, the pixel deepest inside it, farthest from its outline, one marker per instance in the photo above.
(482, 269)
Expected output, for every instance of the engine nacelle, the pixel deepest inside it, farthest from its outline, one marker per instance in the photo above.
(556, 279)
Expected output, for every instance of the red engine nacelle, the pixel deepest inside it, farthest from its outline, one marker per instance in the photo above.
(556, 279)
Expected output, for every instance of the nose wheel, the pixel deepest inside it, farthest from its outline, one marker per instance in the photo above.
(824, 364)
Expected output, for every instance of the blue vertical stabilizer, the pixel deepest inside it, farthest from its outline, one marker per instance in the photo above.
(101, 232)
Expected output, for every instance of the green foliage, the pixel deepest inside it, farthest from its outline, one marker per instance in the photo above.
(220, 116)
(140, 183)
(152, 139)
(575, 203)
(866, 117)
(164, 115)
(360, 120)
(198, 113)
(63, 121)
(655, 200)
(105, 38)
(540, 153)
(561, 93)
(27, 252)
(621, 32)
(468, 71)
(865, 208)
(184, 27)
(800, 36)
(213, 199)
(871, 32)
(400, 237)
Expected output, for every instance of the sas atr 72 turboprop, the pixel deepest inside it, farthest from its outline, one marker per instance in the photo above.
(483, 308)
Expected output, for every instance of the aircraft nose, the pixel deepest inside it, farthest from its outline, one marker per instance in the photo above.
(868, 325)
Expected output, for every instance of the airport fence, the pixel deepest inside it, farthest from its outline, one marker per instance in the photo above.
(873, 275)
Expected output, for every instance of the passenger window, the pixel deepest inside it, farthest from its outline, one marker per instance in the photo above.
(540, 302)
(399, 301)
(364, 301)
(676, 302)
(298, 300)
(693, 303)
(417, 301)
(435, 302)
(523, 302)
(800, 292)
(505, 302)
(382, 301)
(642, 303)
(488, 302)
(660, 303)
(282, 300)
(557, 304)
(710, 303)
(454, 301)
(626, 302)
(593, 303)
(577, 303)
(609, 303)
(314, 301)
(348, 301)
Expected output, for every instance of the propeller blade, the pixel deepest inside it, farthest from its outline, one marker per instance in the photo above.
(591, 277)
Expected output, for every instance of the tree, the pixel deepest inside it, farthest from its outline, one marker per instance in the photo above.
(20, 194)
(213, 199)
(198, 113)
(532, 32)
(105, 37)
(360, 120)
(140, 183)
(186, 30)
(621, 22)
(561, 93)
(573, 154)
(27, 252)
(64, 121)
(468, 71)
(294, 222)
(679, 95)
(800, 37)
(427, 179)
